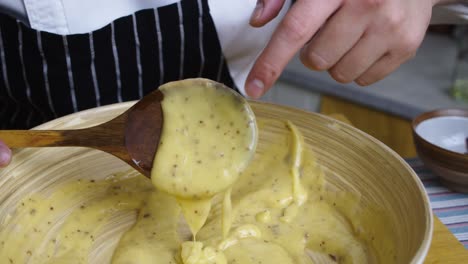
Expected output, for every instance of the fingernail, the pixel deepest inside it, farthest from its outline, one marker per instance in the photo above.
(257, 13)
(5, 157)
(318, 62)
(361, 82)
(339, 77)
(255, 88)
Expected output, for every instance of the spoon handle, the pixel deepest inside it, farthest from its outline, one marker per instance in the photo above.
(108, 137)
(36, 138)
(94, 137)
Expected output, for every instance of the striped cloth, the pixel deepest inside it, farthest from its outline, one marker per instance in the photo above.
(451, 207)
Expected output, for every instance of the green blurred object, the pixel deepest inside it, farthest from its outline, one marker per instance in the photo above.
(460, 90)
(460, 80)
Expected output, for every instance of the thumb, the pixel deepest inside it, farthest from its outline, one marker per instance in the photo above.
(5, 154)
(265, 11)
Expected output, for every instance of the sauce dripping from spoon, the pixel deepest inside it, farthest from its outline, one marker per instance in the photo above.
(208, 138)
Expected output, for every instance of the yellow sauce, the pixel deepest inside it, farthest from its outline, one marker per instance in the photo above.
(275, 210)
(208, 138)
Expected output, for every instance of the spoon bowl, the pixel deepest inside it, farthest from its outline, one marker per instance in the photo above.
(143, 131)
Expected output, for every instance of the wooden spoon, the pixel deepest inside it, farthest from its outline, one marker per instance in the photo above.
(133, 136)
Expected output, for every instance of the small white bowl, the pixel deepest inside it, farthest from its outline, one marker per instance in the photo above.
(448, 132)
(441, 139)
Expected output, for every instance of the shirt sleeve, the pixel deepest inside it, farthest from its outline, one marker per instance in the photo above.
(241, 43)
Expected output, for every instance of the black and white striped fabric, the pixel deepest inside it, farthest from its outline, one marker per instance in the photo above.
(44, 76)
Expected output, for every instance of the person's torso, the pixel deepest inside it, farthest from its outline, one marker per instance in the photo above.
(44, 74)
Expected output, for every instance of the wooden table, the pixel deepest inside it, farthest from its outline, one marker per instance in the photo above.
(445, 247)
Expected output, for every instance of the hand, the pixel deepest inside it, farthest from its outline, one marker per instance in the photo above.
(354, 40)
(5, 154)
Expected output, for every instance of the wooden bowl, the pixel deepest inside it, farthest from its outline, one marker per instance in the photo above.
(441, 139)
(391, 213)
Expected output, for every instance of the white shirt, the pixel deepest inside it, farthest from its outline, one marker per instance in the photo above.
(65, 16)
(240, 42)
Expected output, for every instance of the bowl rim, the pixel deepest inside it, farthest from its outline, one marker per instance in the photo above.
(418, 257)
(458, 112)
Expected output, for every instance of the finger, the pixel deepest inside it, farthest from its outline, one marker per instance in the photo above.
(369, 49)
(404, 47)
(383, 67)
(298, 26)
(5, 154)
(335, 39)
(265, 11)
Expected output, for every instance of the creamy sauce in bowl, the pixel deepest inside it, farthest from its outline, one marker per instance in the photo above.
(264, 223)
(272, 208)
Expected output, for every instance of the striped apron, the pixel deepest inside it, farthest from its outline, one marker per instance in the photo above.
(44, 76)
